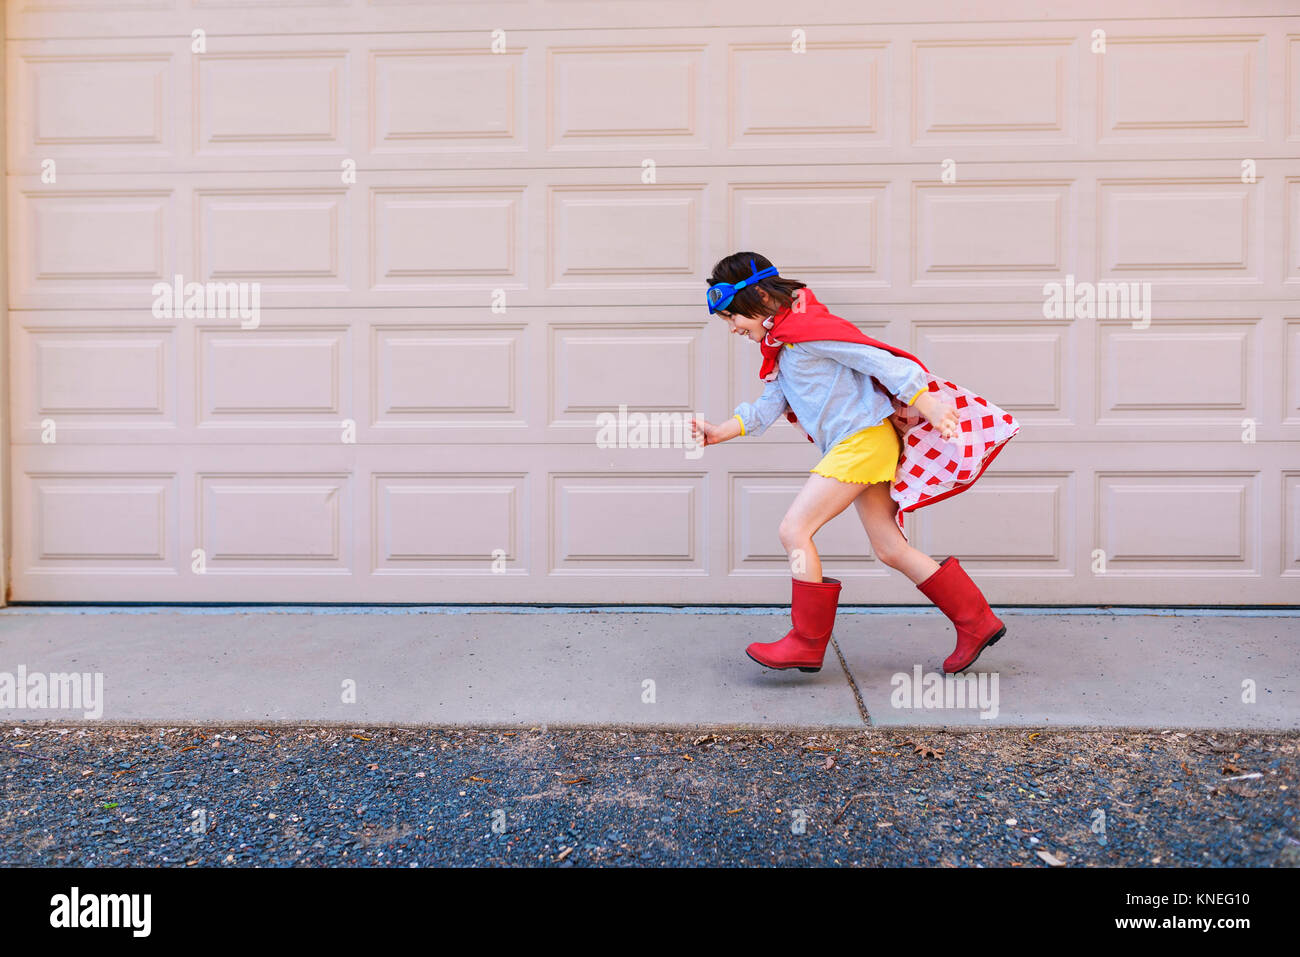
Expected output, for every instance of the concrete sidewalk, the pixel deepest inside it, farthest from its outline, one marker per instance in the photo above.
(658, 668)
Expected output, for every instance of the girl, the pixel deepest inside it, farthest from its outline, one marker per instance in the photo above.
(853, 396)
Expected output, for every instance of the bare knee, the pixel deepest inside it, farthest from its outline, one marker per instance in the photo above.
(792, 534)
(891, 553)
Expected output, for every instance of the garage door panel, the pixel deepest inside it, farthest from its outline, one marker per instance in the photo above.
(115, 522)
(1168, 228)
(87, 377)
(1189, 373)
(93, 104)
(991, 234)
(1289, 354)
(255, 102)
(86, 246)
(361, 540)
(1290, 211)
(1290, 514)
(981, 91)
(1179, 522)
(1211, 87)
(451, 523)
(436, 98)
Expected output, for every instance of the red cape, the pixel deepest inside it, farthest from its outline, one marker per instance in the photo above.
(815, 322)
(930, 468)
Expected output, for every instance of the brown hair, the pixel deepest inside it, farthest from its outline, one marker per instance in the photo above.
(736, 267)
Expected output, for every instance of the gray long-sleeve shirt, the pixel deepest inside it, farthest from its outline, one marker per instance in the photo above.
(827, 384)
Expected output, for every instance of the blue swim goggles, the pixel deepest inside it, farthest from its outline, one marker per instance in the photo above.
(719, 297)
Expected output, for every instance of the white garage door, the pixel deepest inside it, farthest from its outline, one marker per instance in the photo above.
(473, 228)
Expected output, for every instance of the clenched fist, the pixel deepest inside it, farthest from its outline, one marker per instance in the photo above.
(939, 414)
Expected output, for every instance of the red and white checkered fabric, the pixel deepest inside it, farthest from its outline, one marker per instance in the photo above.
(932, 468)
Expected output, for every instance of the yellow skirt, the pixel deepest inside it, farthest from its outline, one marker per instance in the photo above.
(870, 455)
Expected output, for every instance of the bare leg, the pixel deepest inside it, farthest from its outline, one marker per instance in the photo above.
(876, 509)
(820, 500)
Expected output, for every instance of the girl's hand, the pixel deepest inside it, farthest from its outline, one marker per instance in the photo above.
(939, 414)
(705, 433)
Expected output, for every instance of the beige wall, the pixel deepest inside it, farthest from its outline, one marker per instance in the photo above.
(522, 171)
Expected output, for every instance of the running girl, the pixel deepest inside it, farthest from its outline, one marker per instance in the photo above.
(893, 436)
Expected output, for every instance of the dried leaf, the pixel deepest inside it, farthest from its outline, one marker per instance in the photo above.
(1050, 858)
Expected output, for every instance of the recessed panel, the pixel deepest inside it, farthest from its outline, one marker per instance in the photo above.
(1181, 88)
(1177, 522)
(1195, 231)
(1175, 371)
(1291, 523)
(445, 100)
(271, 374)
(431, 523)
(105, 375)
(92, 241)
(83, 106)
(646, 368)
(285, 239)
(440, 238)
(834, 94)
(274, 522)
(590, 89)
(618, 237)
(624, 523)
(289, 101)
(982, 233)
(445, 374)
(991, 91)
(101, 520)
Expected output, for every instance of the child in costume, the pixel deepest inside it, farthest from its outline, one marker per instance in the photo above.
(894, 438)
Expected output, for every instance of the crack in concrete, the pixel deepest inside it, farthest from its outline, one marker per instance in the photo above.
(853, 684)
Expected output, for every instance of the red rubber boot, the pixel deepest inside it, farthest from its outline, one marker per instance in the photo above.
(958, 597)
(812, 611)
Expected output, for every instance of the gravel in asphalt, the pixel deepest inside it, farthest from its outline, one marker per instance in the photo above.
(388, 797)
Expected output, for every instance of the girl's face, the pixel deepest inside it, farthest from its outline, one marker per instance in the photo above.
(747, 326)
(744, 325)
